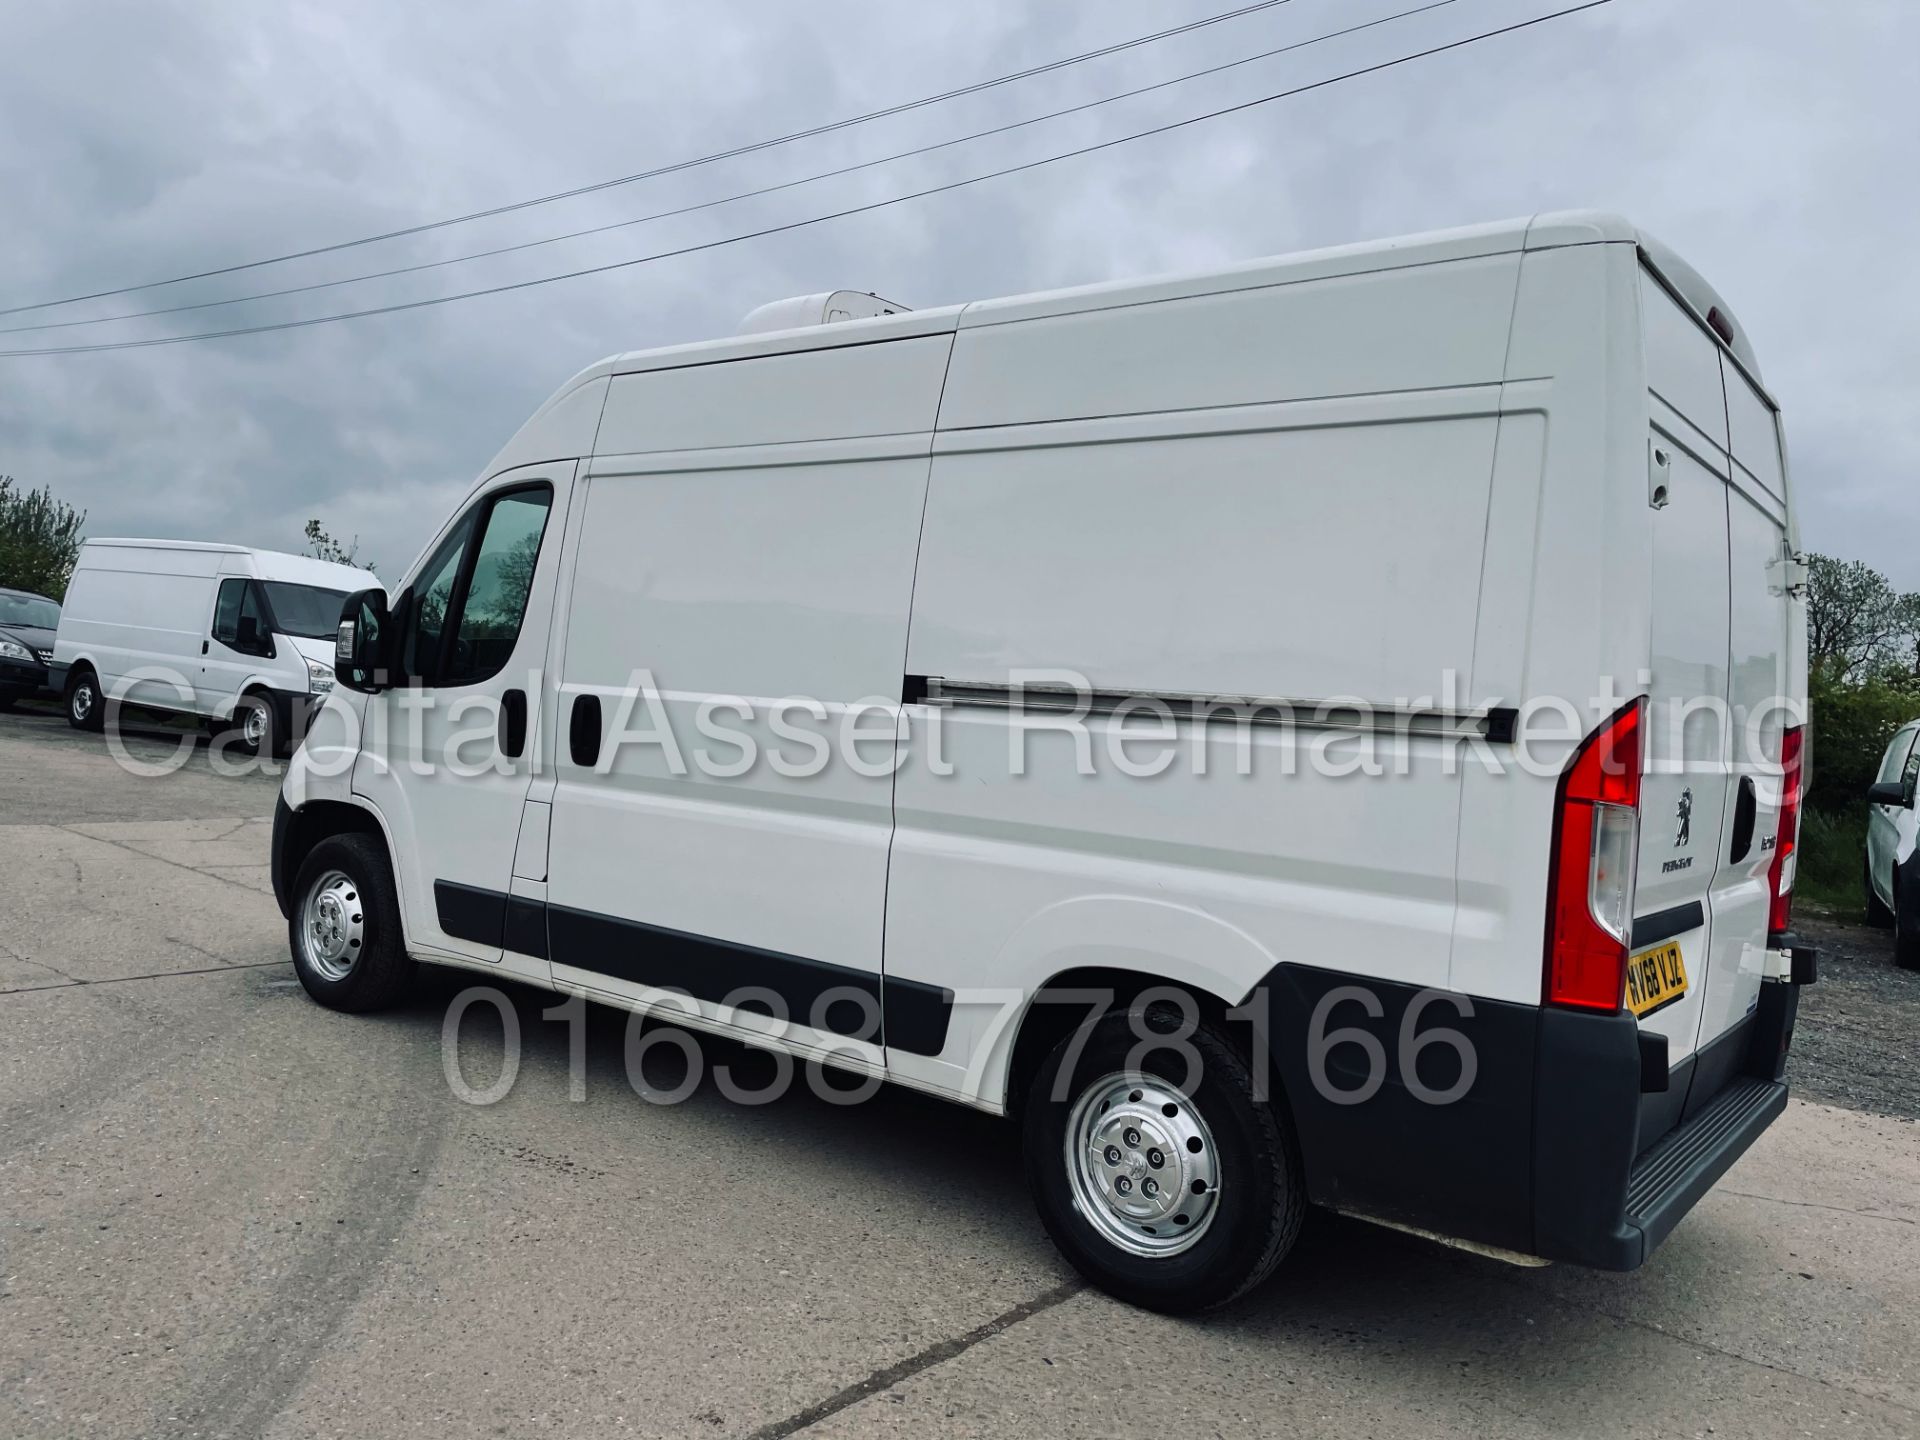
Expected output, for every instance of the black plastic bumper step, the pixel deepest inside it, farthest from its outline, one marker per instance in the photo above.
(1669, 1178)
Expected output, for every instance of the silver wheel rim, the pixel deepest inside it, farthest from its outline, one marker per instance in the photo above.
(82, 700)
(332, 925)
(1142, 1164)
(253, 725)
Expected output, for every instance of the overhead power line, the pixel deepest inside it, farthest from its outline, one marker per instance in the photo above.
(820, 219)
(728, 199)
(678, 165)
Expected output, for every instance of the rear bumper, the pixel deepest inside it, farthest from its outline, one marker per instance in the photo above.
(1551, 1147)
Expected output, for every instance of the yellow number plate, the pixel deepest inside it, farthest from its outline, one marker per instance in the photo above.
(1655, 979)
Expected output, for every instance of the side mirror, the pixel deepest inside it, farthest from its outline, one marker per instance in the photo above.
(1887, 792)
(362, 658)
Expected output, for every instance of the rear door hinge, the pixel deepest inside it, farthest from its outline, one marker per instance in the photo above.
(1788, 575)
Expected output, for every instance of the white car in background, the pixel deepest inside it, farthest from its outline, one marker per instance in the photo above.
(1893, 871)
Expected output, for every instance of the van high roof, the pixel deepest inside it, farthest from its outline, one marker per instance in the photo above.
(1545, 231)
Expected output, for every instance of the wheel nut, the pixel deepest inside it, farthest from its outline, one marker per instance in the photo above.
(1123, 1185)
(1147, 1187)
(1132, 1137)
(1113, 1155)
(1156, 1159)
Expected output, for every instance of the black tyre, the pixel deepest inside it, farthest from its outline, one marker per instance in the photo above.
(255, 727)
(86, 706)
(344, 931)
(1878, 915)
(1906, 915)
(1171, 1191)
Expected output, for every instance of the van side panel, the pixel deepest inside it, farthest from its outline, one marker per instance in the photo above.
(1565, 590)
(1261, 541)
(739, 576)
(135, 608)
(1390, 330)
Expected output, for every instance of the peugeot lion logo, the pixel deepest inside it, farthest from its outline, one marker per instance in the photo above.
(1684, 813)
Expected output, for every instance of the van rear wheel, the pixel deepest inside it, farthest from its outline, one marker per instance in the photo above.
(86, 706)
(344, 929)
(1168, 1185)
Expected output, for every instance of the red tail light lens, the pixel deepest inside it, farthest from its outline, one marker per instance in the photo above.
(1596, 844)
(1787, 842)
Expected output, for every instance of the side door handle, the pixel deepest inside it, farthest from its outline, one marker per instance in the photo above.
(583, 731)
(513, 723)
(1744, 807)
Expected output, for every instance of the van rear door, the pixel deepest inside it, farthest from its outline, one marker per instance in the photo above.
(1711, 801)
(1684, 793)
(1759, 685)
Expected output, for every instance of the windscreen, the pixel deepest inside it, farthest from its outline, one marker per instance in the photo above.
(32, 610)
(307, 610)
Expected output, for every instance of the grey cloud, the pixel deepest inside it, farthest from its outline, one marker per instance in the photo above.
(1763, 140)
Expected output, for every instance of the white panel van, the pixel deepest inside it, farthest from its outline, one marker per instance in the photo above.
(1320, 731)
(231, 634)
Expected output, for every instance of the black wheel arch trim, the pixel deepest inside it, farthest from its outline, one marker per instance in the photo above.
(296, 832)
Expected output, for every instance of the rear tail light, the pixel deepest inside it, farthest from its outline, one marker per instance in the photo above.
(1596, 844)
(1787, 842)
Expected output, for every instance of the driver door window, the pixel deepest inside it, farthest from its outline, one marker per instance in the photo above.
(433, 598)
(237, 604)
(472, 594)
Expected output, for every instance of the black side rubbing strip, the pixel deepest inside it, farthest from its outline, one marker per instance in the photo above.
(835, 998)
(467, 912)
(916, 1015)
(1665, 924)
(526, 926)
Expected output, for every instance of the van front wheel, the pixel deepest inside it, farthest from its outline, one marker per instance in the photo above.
(1156, 1170)
(86, 706)
(254, 727)
(344, 931)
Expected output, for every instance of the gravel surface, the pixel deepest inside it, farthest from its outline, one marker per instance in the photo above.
(1858, 1041)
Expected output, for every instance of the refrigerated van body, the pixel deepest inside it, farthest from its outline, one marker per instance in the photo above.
(1353, 528)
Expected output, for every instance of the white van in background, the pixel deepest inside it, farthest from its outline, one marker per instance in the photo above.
(1338, 528)
(234, 635)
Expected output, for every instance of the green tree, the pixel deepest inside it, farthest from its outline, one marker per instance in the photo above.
(1857, 624)
(40, 539)
(1863, 683)
(1852, 723)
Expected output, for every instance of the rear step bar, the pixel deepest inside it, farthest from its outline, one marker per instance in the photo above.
(1671, 1177)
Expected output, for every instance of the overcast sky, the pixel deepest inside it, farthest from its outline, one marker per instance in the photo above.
(1771, 143)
